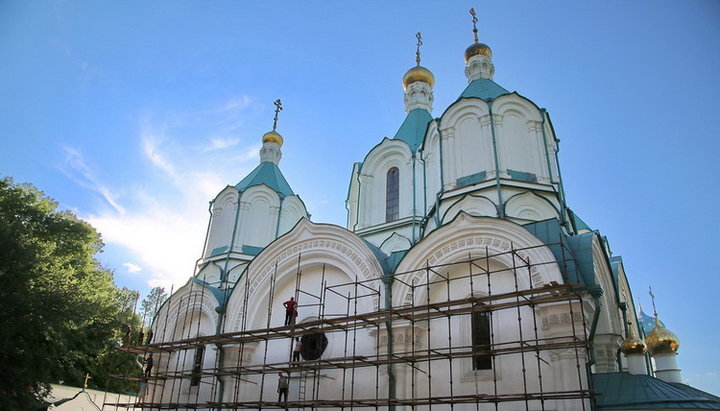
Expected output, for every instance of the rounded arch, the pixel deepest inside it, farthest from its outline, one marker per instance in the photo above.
(530, 206)
(385, 152)
(307, 246)
(515, 103)
(475, 205)
(472, 236)
(463, 108)
(373, 180)
(193, 304)
(259, 209)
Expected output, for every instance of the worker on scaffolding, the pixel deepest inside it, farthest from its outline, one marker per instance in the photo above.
(148, 365)
(296, 349)
(290, 311)
(283, 386)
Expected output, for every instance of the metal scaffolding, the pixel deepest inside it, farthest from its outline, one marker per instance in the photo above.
(419, 357)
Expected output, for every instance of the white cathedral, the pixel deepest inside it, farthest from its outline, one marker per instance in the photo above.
(462, 281)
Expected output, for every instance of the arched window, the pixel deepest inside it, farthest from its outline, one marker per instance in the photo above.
(392, 195)
(481, 340)
(197, 366)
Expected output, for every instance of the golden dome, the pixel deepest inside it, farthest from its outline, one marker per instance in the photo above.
(477, 48)
(633, 345)
(272, 137)
(661, 340)
(418, 73)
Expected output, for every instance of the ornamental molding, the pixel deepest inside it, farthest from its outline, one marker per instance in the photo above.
(292, 252)
(186, 306)
(497, 247)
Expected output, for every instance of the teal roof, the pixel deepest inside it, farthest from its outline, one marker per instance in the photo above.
(578, 222)
(412, 130)
(575, 251)
(269, 174)
(484, 89)
(624, 391)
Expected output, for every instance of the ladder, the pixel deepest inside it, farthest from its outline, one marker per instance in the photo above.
(306, 376)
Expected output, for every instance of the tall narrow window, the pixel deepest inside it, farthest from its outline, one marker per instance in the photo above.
(197, 366)
(482, 358)
(392, 195)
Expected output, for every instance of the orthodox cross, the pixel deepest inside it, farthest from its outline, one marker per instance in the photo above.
(474, 20)
(419, 43)
(278, 108)
(652, 296)
(87, 377)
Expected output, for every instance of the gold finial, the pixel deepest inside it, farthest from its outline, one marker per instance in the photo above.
(417, 52)
(278, 108)
(87, 377)
(632, 344)
(474, 20)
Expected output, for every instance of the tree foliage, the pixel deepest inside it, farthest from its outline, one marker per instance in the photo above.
(61, 314)
(151, 304)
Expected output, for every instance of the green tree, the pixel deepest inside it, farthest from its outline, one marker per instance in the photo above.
(61, 314)
(151, 304)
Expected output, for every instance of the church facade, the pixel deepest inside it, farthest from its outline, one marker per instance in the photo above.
(462, 279)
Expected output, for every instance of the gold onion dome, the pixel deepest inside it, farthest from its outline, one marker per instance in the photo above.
(477, 49)
(661, 340)
(633, 345)
(418, 73)
(272, 137)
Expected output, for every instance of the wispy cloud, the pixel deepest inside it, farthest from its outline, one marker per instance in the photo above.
(76, 168)
(132, 268)
(163, 217)
(218, 143)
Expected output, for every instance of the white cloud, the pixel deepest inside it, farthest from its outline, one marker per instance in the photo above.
(218, 143)
(132, 268)
(77, 169)
(163, 217)
(151, 141)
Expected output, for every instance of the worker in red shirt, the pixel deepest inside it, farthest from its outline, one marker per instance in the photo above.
(290, 311)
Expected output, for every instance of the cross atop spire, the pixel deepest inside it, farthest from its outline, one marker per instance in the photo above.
(278, 109)
(474, 21)
(652, 296)
(419, 43)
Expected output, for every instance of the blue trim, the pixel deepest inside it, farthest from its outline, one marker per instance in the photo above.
(218, 250)
(522, 176)
(471, 179)
(251, 250)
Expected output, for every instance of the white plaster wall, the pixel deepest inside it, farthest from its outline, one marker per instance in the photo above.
(520, 143)
(222, 219)
(431, 159)
(291, 211)
(190, 312)
(373, 182)
(351, 203)
(259, 209)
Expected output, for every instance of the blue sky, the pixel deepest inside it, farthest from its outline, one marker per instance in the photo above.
(135, 114)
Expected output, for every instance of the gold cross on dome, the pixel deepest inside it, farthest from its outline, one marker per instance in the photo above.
(474, 20)
(419, 43)
(278, 108)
